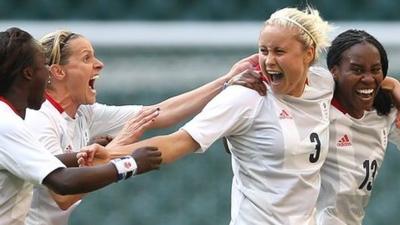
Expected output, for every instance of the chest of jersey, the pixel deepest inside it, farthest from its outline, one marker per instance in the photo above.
(287, 134)
(75, 134)
(357, 150)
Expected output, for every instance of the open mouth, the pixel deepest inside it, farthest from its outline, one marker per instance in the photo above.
(92, 81)
(365, 93)
(275, 76)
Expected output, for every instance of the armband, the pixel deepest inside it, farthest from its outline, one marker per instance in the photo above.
(126, 166)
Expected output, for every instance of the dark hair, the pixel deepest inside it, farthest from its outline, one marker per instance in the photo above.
(383, 101)
(17, 52)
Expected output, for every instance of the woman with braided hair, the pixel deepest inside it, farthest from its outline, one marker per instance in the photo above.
(23, 160)
(362, 121)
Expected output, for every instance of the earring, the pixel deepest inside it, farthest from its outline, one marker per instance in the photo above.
(49, 81)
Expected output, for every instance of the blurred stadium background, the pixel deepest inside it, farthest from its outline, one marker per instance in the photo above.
(155, 49)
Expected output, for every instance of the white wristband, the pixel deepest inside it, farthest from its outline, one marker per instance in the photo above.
(126, 167)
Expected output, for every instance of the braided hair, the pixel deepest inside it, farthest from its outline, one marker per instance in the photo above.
(383, 101)
(17, 52)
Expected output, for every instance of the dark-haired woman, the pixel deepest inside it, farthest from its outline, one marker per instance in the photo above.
(362, 120)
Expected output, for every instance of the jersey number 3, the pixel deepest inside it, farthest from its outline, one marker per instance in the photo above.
(315, 139)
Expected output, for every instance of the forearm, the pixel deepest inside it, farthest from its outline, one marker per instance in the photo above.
(172, 147)
(65, 201)
(181, 107)
(67, 181)
(68, 159)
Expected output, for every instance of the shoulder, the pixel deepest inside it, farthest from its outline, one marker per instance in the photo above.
(320, 77)
(37, 119)
(238, 95)
(234, 102)
(10, 124)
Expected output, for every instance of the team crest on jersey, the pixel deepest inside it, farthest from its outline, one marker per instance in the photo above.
(284, 115)
(344, 141)
(68, 149)
(325, 110)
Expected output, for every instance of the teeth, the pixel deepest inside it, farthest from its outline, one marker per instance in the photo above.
(273, 72)
(95, 77)
(365, 91)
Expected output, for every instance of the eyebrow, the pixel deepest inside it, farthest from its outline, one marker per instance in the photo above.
(86, 51)
(359, 65)
(355, 64)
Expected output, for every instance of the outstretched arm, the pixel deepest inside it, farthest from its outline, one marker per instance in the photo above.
(172, 146)
(181, 107)
(82, 180)
(70, 160)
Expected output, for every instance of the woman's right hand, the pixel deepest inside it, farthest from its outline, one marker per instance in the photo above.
(92, 155)
(135, 128)
(251, 79)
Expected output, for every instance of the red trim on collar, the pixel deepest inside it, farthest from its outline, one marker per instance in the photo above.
(9, 104)
(335, 102)
(54, 103)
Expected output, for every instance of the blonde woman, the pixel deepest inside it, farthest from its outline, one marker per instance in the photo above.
(278, 141)
(70, 117)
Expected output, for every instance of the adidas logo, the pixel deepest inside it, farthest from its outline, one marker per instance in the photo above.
(285, 115)
(344, 141)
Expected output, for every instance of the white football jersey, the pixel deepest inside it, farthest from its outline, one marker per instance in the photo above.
(60, 133)
(356, 151)
(278, 145)
(23, 162)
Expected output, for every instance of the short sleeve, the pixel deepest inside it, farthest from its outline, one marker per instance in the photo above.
(394, 133)
(23, 156)
(45, 129)
(106, 119)
(231, 112)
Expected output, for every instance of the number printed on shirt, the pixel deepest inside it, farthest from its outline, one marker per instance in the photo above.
(315, 139)
(367, 182)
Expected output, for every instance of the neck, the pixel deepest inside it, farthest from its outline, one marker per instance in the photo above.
(355, 113)
(299, 92)
(14, 100)
(65, 101)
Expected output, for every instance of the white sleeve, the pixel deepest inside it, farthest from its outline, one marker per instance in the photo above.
(106, 119)
(230, 113)
(23, 156)
(45, 130)
(394, 133)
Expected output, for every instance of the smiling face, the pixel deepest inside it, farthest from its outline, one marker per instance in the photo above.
(358, 77)
(284, 59)
(81, 71)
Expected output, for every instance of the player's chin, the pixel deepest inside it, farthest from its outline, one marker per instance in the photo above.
(89, 100)
(91, 96)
